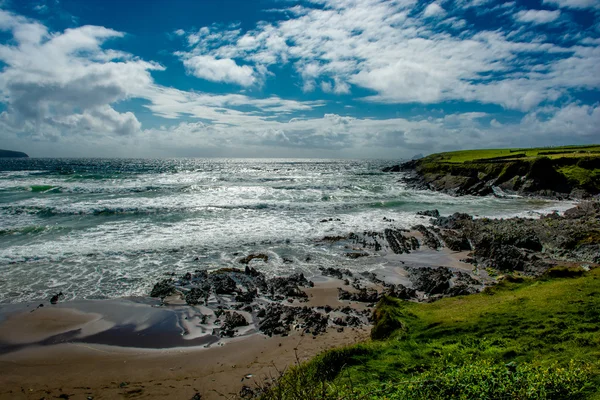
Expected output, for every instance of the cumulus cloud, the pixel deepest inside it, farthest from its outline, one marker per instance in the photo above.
(220, 70)
(53, 83)
(434, 10)
(537, 16)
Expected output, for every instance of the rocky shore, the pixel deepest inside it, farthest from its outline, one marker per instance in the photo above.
(238, 301)
(570, 177)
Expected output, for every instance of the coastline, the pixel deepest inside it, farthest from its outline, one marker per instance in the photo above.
(157, 346)
(98, 345)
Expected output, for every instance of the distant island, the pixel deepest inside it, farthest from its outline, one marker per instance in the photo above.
(12, 154)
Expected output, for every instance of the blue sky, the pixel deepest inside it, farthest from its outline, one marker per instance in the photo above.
(285, 78)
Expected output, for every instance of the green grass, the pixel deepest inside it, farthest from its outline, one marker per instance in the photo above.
(486, 154)
(523, 339)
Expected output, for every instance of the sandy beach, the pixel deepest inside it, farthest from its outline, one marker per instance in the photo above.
(130, 348)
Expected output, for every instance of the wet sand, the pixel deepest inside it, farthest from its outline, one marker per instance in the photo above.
(130, 348)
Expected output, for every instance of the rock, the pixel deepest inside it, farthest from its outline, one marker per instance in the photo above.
(455, 240)
(163, 289)
(357, 255)
(429, 213)
(364, 295)
(54, 299)
(222, 283)
(247, 259)
(400, 292)
(197, 295)
(454, 221)
(232, 320)
(399, 243)
(246, 297)
(430, 280)
(338, 273)
(429, 238)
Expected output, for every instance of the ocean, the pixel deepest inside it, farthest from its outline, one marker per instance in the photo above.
(110, 228)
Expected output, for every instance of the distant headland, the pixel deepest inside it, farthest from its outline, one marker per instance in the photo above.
(12, 154)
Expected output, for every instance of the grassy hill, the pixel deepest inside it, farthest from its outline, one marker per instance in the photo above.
(521, 339)
(549, 171)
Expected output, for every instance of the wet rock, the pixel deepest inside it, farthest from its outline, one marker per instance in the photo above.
(232, 320)
(454, 221)
(357, 255)
(222, 283)
(399, 243)
(338, 273)
(246, 297)
(247, 259)
(197, 295)
(455, 240)
(163, 289)
(54, 299)
(429, 213)
(371, 277)
(429, 238)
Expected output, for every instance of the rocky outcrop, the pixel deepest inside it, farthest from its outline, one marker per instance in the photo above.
(502, 176)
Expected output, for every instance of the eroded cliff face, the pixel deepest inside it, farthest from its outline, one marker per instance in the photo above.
(566, 177)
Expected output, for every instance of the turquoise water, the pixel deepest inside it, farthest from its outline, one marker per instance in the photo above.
(106, 228)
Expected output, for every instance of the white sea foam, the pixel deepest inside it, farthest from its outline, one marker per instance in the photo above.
(112, 228)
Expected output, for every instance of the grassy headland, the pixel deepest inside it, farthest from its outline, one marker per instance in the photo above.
(550, 171)
(521, 339)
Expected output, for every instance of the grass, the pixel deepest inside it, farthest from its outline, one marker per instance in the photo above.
(507, 154)
(521, 339)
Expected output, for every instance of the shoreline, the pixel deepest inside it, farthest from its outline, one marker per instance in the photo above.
(109, 348)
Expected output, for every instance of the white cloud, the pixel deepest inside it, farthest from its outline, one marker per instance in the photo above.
(434, 10)
(537, 16)
(220, 70)
(576, 4)
(404, 57)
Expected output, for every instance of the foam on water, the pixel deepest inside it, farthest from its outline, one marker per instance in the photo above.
(111, 228)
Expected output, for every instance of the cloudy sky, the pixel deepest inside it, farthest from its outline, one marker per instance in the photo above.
(296, 78)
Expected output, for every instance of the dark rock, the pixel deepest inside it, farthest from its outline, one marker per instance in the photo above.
(364, 295)
(429, 213)
(197, 295)
(454, 221)
(398, 242)
(246, 297)
(163, 289)
(401, 292)
(222, 283)
(430, 280)
(251, 257)
(54, 299)
(338, 273)
(429, 238)
(455, 240)
(232, 320)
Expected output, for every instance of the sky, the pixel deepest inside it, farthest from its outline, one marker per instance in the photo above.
(296, 78)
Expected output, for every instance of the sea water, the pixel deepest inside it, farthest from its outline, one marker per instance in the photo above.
(108, 228)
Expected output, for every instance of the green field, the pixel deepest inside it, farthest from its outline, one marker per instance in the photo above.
(558, 169)
(515, 154)
(522, 339)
